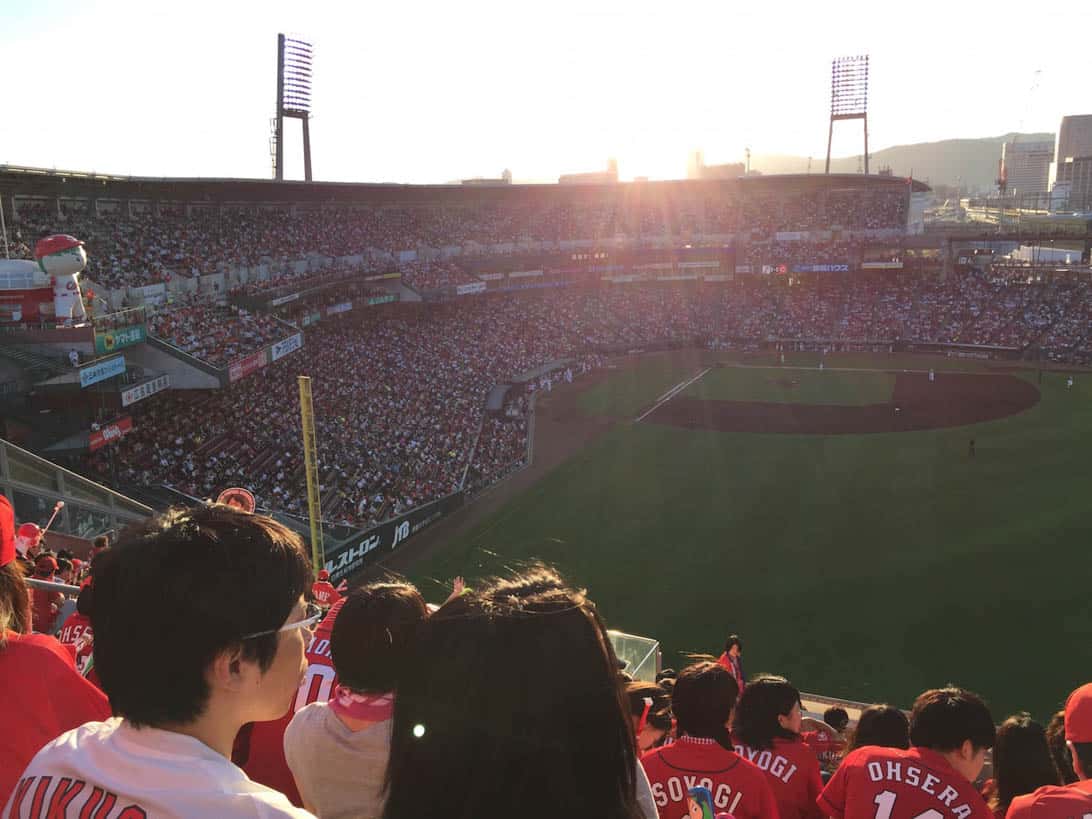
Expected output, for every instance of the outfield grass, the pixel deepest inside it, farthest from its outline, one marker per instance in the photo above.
(793, 386)
(863, 566)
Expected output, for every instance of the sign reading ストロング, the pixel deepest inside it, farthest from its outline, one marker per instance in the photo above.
(102, 370)
(283, 348)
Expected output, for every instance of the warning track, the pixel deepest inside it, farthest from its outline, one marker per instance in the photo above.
(954, 399)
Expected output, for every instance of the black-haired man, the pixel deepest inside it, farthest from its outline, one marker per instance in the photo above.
(950, 731)
(200, 626)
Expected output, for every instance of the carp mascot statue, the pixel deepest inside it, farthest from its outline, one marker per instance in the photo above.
(62, 258)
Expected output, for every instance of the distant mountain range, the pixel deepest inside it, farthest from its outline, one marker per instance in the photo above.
(969, 162)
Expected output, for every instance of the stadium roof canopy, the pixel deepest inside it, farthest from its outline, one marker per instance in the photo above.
(46, 183)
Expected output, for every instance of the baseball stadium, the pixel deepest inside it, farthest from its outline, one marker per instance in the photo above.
(780, 406)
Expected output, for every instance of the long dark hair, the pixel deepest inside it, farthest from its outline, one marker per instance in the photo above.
(510, 704)
(882, 725)
(703, 698)
(14, 601)
(764, 699)
(1021, 760)
(1059, 751)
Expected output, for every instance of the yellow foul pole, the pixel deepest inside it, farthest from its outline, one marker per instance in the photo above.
(310, 460)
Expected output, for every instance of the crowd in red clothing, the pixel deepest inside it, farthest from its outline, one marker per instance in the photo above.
(217, 334)
(376, 719)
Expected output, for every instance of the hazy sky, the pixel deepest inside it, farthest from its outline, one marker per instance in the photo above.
(412, 91)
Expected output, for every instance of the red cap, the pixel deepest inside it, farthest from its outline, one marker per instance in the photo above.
(46, 563)
(30, 530)
(55, 244)
(323, 574)
(7, 532)
(1078, 715)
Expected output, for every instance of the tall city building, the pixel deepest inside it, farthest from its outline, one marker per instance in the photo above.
(1071, 171)
(1026, 166)
(1074, 137)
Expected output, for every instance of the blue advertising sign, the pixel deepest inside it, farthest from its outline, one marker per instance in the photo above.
(102, 370)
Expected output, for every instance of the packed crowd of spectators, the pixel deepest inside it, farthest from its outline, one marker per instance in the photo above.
(399, 395)
(179, 708)
(140, 247)
(435, 275)
(399, 400)
(216, 334)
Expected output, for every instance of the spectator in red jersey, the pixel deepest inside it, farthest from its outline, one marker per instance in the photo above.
(732, 659)
(766, 729)
(950, 732)
(199, 621)
(259, 746)
(1021, 763)
(43, 694)
(650, 708)
(1059, 751)
(46, 604)
(323, 592)
(703, 700)
(338, 750)
(1075, 799)
(882, 725)
(76, 630)
(510, 706)
(28, 541)
(826, 737)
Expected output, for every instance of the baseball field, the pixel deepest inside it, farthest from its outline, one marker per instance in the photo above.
(835, 518)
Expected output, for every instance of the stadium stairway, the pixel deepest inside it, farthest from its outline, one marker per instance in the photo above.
(38, 366)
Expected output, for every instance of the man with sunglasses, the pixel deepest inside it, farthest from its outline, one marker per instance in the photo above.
(200, 627)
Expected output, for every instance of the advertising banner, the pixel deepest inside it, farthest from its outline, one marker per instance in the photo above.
(364, 546)
(284, 300)
(110, 433)
(702, 265)
(521, 274)
(490, 277)
(820, 268)
(892, 265)
(743, 268)
(283, 348)
(112, 340)
(717, 277)
(467, 289)
(245, 366)
(101, 371)
(374, 300)
(334, 309)
(142, 391)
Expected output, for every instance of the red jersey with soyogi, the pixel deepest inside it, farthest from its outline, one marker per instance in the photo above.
(738, 787)
(792, 769)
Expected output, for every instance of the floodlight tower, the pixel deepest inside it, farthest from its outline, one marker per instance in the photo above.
(293, 99)
(849, 96)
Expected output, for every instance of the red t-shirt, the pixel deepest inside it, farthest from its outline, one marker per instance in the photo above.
(76, 632)
(43, 697)
(889, 783)
(44, 606)
(738, 787)
(792, 769)
(259, 748)
(324, 593)
(1054, 802)
(827, 746)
